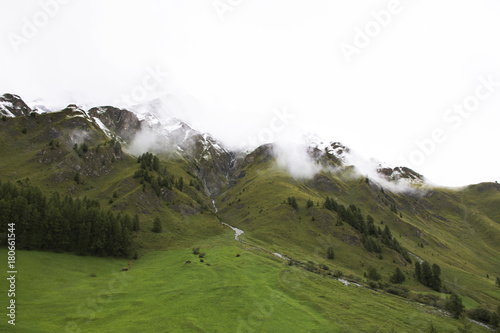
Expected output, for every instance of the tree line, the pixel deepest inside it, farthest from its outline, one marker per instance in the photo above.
(62, 223)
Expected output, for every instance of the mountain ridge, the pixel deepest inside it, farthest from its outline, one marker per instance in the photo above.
(176, 136)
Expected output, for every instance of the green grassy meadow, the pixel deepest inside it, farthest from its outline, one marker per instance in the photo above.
(256, 292)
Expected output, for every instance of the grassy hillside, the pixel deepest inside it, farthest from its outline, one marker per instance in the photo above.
(455, 231)
(42, 149)
(257, 292)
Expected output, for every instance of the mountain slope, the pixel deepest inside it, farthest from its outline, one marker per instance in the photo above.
(457, 229)
(454, 231)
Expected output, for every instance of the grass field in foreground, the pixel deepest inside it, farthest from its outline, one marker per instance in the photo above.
(255, 292)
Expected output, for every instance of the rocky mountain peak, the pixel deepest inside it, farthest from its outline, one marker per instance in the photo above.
(120, 121)
(13, 106)
(398, 173)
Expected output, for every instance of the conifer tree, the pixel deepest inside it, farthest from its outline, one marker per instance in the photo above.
(454, 305)
(426, 274)
(398, 276)
(373, 274)
(136, 224)
(310, 204)
(436, 279)
(418, 271)
(330, 253)
(157, 225)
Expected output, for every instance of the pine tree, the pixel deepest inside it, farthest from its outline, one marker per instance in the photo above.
(373, 274)
(426, 274)
(310, 203)
(136, 224)
(156, 163)
(436, 280)
(418, 271)
(180, 184)
(293, 202)
(157, 225)
(454, 305)
(387, 235)
(118, 148)
(330, 253)
(398, 276)
(99, 231)
(83, 238)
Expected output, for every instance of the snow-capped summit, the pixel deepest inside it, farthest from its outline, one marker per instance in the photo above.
(378, 171)
(320, 147)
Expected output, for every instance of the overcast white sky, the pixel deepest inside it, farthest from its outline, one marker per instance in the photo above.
(233, 64)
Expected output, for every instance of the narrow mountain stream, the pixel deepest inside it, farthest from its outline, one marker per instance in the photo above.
(416, 257)
(237, 232)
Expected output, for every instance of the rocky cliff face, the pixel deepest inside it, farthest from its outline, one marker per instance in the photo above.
(214, 163)
(122, 122)
(398, 173)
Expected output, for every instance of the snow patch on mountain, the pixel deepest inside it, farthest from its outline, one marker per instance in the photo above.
(103, 127)
(336, 149)
(4, 109)
(78, 112)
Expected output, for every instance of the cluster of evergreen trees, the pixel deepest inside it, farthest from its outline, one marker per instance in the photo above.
(62, 223)
(293, 202)
(430, 277)
(84, 148)
(371, 236)
(149, 160)
(150, 164)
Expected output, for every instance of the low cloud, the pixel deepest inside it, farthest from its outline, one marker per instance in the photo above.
(295, 160)
(79, 136)
(369, 168)
(148, 140)
(291, 154)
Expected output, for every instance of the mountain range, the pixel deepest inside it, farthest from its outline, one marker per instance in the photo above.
(372, 216)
